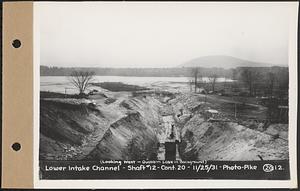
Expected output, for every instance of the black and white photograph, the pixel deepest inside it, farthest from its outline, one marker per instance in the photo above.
(169, 90)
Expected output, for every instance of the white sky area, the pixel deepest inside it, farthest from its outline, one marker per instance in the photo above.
(86, 34)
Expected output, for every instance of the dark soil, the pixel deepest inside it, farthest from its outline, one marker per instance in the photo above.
(118, 86)
(45, 94)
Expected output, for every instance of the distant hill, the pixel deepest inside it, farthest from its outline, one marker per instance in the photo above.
(221, 61)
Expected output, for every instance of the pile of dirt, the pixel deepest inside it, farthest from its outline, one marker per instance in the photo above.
(76, 129)
(64, 125)
(125, 104)
(110, 100)
(149, 108)
(202, 140)
(278, 130)
(133, 136)
(188, 102)
(127, 139)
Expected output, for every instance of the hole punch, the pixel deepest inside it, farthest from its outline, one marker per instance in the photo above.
(16, 146)
(16, 43)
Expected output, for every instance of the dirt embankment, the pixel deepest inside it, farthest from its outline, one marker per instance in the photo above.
(226, 138)
(229, 141)
(65, 126)
(131, 126)
(78, 129)
(127, 139)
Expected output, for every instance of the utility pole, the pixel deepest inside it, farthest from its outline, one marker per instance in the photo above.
(235, 110)
(224, 84)
(66, 92)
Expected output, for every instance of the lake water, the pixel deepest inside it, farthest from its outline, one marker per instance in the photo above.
(61, 83)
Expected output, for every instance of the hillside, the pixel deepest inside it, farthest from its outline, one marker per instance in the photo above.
(77, 129)
(221, 61)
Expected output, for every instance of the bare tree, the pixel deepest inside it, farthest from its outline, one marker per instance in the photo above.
(212, 80)
(191, 85)
(271, 78)
(195, 73)
(81, 80)
(224, 83)
(250, 77)
(283, 83)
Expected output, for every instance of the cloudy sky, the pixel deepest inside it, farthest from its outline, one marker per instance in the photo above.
(160, 34)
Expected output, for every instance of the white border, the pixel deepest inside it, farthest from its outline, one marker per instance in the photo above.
(177, 183)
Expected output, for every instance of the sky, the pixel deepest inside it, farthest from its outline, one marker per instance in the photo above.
(86, 34)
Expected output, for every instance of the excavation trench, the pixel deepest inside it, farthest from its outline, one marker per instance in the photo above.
(130, 128)
(147, 127)
(168, 144)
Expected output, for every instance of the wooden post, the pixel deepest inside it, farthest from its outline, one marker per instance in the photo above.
(235, 110)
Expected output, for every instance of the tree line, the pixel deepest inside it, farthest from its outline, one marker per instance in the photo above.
(251, 80)
(254, 81)
(143, 72)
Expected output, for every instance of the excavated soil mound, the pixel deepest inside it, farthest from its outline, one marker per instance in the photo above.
(77, 129)
(202, 140)
(127, 139)
(65, 126)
